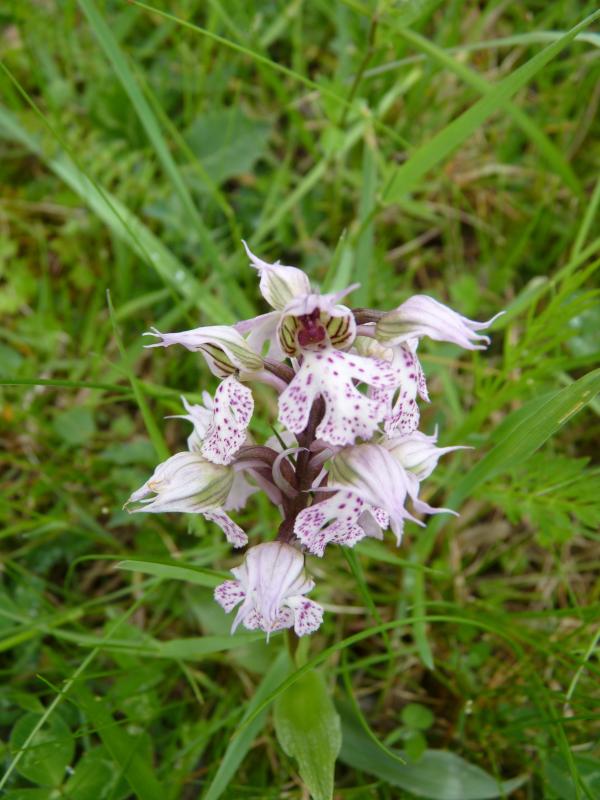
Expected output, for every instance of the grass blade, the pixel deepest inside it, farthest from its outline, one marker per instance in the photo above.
(146, 116)
(549, 150)
(407, 177)
(364, 269)
(171, 570)
(529, 431)
(124, 224)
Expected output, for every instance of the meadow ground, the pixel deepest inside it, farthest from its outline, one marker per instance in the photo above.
(440, 147)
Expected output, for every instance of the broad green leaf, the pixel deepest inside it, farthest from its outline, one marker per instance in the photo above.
(308, 729)
(174, 571)
(239, 745)
(75, 426)
(407, 177)
(439, 774)
(48, 754)
(93, 777)
(227, 142)
(129, 750)
(560, 779)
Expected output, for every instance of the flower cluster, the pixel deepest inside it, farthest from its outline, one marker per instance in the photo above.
(349, 460)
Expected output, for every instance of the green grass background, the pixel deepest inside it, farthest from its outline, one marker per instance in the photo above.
(441, 147)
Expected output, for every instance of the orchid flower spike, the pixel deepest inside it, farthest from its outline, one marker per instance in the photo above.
(270, 585)
(348, 457)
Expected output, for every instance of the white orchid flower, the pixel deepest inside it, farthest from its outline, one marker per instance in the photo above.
(335, 376)
(224, 348)
(421, 316)
(399, 401)
(417, 452)
(191, 484)
(270, 585)
(349, 458)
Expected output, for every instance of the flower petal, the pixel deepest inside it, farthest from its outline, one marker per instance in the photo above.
(308, 615)
(273, 580)
(254, 621)
(315, 322)
(232, 410)
(229, 594)
(332, 374)
(374, 521)
(402, 415)
(370, 471)
(278, 284)
(335, 520)
(421, 315)
(263, 329)
(234, 534)
(223, 347)
(239, 493)
(417, 452)
(200, 416)
(185, 482)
